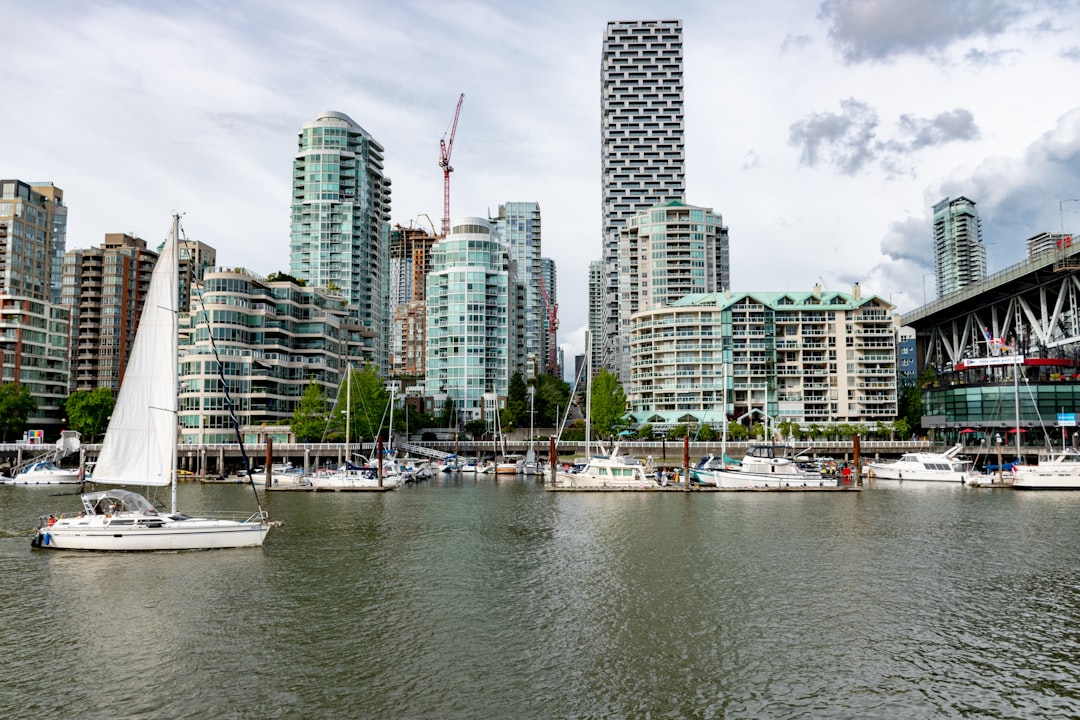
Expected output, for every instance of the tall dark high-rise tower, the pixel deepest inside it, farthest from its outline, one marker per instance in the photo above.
(643, 159)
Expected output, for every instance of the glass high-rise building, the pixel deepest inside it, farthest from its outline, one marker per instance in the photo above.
(959, 253)
(642, 143)
(518, 224)
(472, 300)
(341, 222)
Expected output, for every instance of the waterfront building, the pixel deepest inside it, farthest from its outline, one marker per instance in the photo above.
(596, 311)
(104, 289)
(341, 222)
(33, 327)
(56, 219)
(34, 354)
(29, 214)
(907, 365)
(642, 145)
(970, 343)
(665, 252)
(550, 316)
(473, 299)
(274, 337)
(518, 224)
(812, 358)
(410, 262)
(195, 259)
(959, 253)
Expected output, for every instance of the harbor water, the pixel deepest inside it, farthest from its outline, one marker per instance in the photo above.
(492, 598)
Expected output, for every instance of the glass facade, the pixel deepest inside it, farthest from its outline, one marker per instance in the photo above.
(341, 222)
(471, 334)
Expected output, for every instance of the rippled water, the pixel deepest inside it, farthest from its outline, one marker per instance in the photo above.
(495, 599)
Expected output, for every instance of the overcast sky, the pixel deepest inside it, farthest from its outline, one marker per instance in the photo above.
(823, 132)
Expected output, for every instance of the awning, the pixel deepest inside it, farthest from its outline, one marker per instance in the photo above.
(967, 430)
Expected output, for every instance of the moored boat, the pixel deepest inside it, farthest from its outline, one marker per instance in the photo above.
(1060, 471)
(927, 467)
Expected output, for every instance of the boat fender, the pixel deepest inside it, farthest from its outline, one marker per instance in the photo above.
(45, 539)
(36, 540)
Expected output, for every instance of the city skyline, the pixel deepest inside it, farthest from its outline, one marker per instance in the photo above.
(817, 131)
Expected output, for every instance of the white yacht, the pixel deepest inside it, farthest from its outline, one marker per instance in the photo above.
(763, 466)
(927, 467)
(1060, 471)
(45, 472)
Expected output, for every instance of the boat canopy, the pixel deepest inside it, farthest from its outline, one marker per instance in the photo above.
(113, 501)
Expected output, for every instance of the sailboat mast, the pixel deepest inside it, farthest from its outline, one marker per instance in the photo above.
(588, 392)
(174, 235)
(348, 409)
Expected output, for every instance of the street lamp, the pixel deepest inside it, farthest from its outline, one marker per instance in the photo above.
(1061, 212)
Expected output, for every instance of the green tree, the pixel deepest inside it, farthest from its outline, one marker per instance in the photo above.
(552, 398)
(447, 417)
(88, 412)
(737, 431)
(368, 407)
(706, 433)
(16, 405)
(910, 409)
(677, 433)
(644, 431)
(476, 428)
(608, 404)
(516, 412)
(309, 418)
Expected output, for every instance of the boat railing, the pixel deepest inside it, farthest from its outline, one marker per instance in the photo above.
(258, 517)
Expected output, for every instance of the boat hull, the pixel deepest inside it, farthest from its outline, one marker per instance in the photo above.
(189, 534)
(738, 479)
(889, 472)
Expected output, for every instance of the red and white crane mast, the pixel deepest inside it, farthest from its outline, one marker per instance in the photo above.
(445, 148)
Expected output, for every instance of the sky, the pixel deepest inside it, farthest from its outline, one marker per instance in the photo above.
(822, 132)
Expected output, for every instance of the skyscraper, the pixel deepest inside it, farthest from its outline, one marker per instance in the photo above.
(518, 224)
(550, 291)
(959, 254)
(596, 313)
(341, 222)
(56, 212)
(472, 301)
(642, 147)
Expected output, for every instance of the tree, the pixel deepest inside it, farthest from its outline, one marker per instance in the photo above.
(706, 433)
(516, 412)
(644, 431)
(309, 418)
(476, 428)
(88, 412)
(447, 417)
(910, 409)
(368, 407)
(737, 431)
(16, 405)
(608, 404)
(677, 433)
(552, 399)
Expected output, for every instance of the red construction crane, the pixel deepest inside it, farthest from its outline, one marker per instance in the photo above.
(445, 148)
(552, 310)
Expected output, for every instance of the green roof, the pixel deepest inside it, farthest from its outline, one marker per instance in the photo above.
(825, 300)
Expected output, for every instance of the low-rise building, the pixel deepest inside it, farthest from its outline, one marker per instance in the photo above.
(814, 357)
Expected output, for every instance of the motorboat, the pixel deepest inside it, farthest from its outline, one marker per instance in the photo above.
(927, 467)
(1059, 471)
(139, 449)
(611, 472)
(763, 466)
(45, 472)
(281, 475)
(355, 477)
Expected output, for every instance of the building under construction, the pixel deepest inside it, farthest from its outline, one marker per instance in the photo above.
(410, 262)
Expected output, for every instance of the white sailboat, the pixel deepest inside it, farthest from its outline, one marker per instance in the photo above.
(140, 449)
(350, 476)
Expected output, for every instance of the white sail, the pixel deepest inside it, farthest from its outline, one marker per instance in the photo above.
(140, 443)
